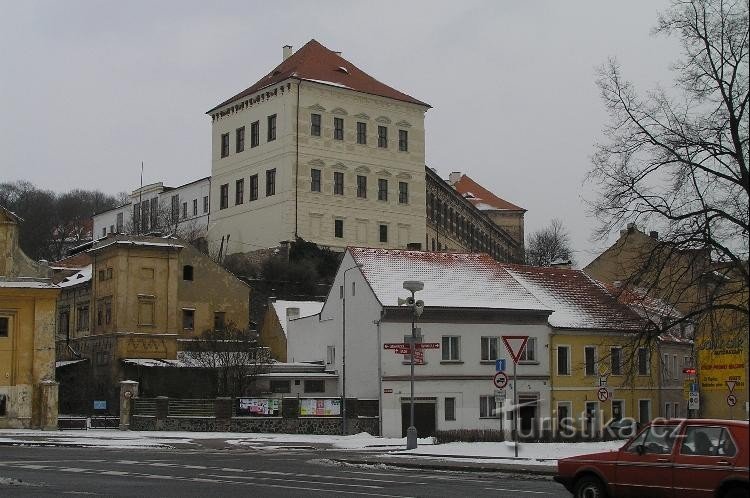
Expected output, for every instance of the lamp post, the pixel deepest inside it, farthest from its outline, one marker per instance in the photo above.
(343, 351)
(416, 307)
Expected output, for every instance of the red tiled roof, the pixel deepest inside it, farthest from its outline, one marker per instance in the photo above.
(75, 262)
(482, 198)
(314, 62)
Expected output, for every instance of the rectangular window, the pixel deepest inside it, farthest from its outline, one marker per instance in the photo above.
(219, 320)
(338, 183)
(239, 191)
(184, 210)
(188, 319)
(224, 196)
(644, 411)
(618, 409)
(240, 140)
(315, 180)
(383, 137)
(382, 189)
(665, 366)
(451, 348)
(615, 361)
(383, 233)
(361, 133)
(315, 125)
(338, 229)
(450, 409)
(563, 412)
(675, 368)
(4, 326)
(144, 216)
(643, 361)
(272, 128)
(490, 348)
(338, 128)
(361, 186)
(224, 144)
(315, 386)
(205, 204)
(255, 134)
(281, 386)
(145, 310)
(529, 352)
(403, 193)
(563, 365)
(119, 222)
(254, 188)
(667, 410)
(590, 360)
(487, 407)
(403, 140)
(82, 318)
(271, 182)
(154, 213)
(195, 207)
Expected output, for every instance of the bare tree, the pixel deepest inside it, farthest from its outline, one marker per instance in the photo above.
(549, 245)
(677, 160)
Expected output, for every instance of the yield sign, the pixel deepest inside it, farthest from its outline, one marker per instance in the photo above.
(730, 385)
(515, 344)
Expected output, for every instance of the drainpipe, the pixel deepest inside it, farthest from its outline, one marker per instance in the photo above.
(380, 373)
(296, 169)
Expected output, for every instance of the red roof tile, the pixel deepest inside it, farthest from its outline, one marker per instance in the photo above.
(77, 262)
(314, 62)
(482, 198)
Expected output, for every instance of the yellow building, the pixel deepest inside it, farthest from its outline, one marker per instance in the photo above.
(28, 391)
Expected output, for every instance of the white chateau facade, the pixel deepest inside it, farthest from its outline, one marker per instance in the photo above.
(317, 149)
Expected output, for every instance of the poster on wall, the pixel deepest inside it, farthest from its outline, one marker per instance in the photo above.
(258, 407)
(320, 407)
(718, 367)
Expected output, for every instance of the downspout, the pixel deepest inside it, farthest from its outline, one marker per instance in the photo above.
(296, 168)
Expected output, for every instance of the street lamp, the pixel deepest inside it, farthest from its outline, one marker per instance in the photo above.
(343, 351)
(417, 307)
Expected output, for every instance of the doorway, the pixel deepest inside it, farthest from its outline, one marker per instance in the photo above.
(527, 415)
(425, 416)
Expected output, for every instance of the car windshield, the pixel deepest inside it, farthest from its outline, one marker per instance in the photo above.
(657, 439)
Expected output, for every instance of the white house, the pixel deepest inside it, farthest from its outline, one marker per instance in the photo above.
(470, 302)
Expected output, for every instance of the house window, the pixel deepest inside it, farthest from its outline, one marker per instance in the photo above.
(315, 180)
(188, 319)
(146, 310)
(64, 323)
(615, 356)
(315, 386)
(675, 375)
(361, 186)
(254, 188)
(589, 353)
(195, 207)
(187, 272)
(403, 193)
(361, 133)
(667, 410)
(487, 407)
(338, 128)
(224, 196)
(644, 411)
(255, 134)
(563, 365)
(451, 348)
(563, 412)
(330, 354)
(403, 140)
(643, 361)
(240, 140)
(383, 233)
(338, 183)
(270, 182)
(281, 386)
(338, 229)
(82, 318)
(184, 210)
(224, 144)
(239, 191)
(219, 321)
(119, 222)
(272, 128)
(450, 409)
(382, 189)
(490, 348)
(104, 311)
(618, 409)
(315, 125)
(205, 204)
(529, 352)
(383, 137)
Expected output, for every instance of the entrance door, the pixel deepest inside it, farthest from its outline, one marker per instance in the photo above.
(527, 418)
(425, 413)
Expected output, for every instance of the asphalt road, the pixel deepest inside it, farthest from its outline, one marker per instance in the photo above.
(260, 471)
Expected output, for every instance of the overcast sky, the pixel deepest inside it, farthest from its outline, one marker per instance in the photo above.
(89, 89)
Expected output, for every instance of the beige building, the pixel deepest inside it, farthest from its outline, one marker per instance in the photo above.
(28, 391)
(317, 149)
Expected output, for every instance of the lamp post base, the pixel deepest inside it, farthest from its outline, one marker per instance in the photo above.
(411, 438)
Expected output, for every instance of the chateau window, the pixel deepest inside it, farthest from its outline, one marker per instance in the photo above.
(361, 186)
(361, 133)
(272, 128)
(224, 196)
(338, 128)
(403, 193)
(382, 189)
(254, 188)
(188, 319)
(119, 222)
(255, 134)
(383, 137)
(315, 180)
(383, 233)
(403, 140)
(338, 183)
(240, 139)
(271, 182)
(82, 318)
(338, 229)
(315, 125)
(195, 207)
(224, 144)
(184, 210)
(205, 204)
(146, 310)
(239, 191)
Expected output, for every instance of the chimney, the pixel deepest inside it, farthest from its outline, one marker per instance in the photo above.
(654, 234)
(454, 177)
(337, 53)
(287, 52)
(292, 313)
(631, 227)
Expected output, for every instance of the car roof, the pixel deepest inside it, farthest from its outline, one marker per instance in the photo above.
(703, 421)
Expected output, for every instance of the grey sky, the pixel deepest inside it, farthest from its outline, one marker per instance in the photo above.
(89, 89)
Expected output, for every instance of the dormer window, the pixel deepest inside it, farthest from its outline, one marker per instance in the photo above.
(343, 70)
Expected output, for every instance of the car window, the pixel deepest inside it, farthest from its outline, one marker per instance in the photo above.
(639, 439)
(707, 441)
(660, 439)
(726, 444)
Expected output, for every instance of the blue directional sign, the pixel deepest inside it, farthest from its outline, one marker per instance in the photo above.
(500, 365)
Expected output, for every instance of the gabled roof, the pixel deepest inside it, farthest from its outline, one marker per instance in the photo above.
(314, 62)
(452, 280)
(306, 308)
(482, 198)
(579, 301)
(11, 215)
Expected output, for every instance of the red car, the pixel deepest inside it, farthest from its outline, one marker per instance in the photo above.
(678, 458)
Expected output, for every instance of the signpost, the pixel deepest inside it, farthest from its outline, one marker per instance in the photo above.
(693, 400)
(500, 380)
(404, 348)
(500, 365)
(515, 345)
(603, 394)
(731, 398)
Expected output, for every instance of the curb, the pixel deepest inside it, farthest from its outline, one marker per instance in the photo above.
(536, 470)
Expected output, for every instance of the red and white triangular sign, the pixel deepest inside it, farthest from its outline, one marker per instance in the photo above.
(730, 385)
(515, 344)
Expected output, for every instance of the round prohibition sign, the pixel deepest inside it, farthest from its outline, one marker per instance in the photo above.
(500, 380)
(731, 400)
(602, 394)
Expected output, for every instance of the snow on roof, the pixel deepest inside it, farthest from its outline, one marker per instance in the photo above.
(65, 363)
(134, 242)
(578, 301)
(308, 375)
(27, 283)
(454, 280)
(77, 278)
(306, 308)
(482, 198)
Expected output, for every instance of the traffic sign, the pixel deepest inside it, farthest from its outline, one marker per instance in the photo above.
(500, 365)
(396, 345)
(602, 394)
(515, 344)
(402, 351)
(500, 380)
(500, 393)
(694, 400)
(603, 381)
(730, 386)
(427, 345)
(731, 400)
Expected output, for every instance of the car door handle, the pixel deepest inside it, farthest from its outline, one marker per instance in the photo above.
(722, 462)
(662, 459)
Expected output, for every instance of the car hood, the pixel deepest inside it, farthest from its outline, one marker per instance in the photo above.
(603, 456)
